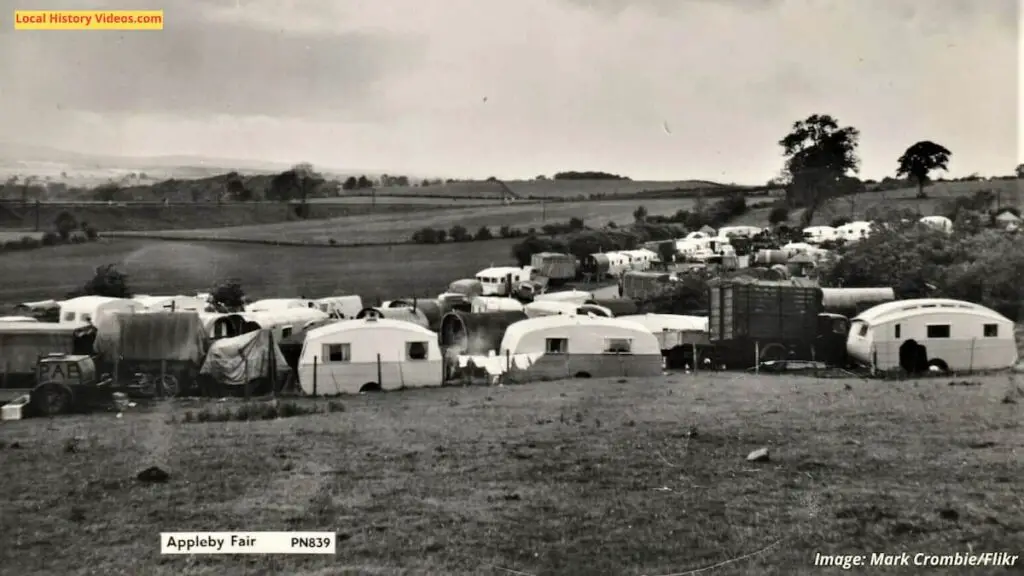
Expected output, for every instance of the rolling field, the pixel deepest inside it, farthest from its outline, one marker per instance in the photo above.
(398, 227)
(574, 478)
(156, 216)
(1009, 192)
(547, 188)
(156, 267)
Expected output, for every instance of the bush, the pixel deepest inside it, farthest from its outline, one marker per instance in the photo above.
(65, 223)
(459, 234)
(484, 233)
(778, 214)
(428, 236)
(29, 242)
(51, 239)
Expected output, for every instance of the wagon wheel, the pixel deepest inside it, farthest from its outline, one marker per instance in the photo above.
(168, 386)
(51, 399)
(773, 352)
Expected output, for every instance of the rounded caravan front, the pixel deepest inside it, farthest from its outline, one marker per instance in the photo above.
(819, 234)
(919, 334)
(92, 309)
(346, 357)
(282, 322)
(938, 222)
(568, 346)
(495, 304)
(854, 231)
(340, 306)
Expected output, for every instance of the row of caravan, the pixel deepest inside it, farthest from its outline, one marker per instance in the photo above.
(854, 231)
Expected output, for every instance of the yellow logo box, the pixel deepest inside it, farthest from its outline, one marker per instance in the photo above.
(88, 19)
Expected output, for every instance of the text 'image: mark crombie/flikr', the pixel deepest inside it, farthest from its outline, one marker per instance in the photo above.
(88, 19)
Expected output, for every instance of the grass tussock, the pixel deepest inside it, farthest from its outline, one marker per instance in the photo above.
(255, 411)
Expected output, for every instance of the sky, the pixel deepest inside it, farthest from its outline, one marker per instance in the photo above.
(651, 89)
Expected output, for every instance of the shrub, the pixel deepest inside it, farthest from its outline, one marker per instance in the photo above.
(427, 236)
(778, 214)
(65, 223)
(78, 237)
(29, 242)
(484, 233)
(459, 234)
(51, 239)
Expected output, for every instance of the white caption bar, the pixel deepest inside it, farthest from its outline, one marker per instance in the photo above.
(247, 543)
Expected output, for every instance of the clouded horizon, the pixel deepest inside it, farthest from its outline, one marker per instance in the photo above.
(474, 88)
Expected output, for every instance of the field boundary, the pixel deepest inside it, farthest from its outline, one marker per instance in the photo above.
(294, 244)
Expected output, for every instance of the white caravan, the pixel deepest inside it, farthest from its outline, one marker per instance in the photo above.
(819, 234)
(854, 231)
(932, 333)
(340, 306)
(372, 353)
(938, 222)
(93, 309)
(582, 347)
(494, 281)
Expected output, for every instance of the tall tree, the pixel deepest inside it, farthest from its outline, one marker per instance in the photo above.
(920, 159)
(819, 153)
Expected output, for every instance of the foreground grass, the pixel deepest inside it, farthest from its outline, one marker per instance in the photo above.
(398, 227)
(570, 478)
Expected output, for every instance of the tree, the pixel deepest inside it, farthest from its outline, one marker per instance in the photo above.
(65, 223)
(363, 182)
(818, 154)
(459, 234)
(229, 295)
(640, 214)
(350, 183)
(1020, 171)
(108, 281)
(778, 215)
(920, 160)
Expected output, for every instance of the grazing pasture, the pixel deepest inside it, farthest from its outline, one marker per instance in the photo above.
(575, 478)
(398, 227)
(156, 216)
(856, 206)
(547, 188)
(158, 267)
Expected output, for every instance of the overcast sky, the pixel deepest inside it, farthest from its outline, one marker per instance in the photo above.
(400, 85)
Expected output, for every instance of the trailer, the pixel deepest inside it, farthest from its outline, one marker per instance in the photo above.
(753, 321)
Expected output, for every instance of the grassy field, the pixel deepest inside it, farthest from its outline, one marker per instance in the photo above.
(14, 235)
(579, 189)
(586, 478)
(399, 227)
(156, 267)
(155, 216)
(1009, 193)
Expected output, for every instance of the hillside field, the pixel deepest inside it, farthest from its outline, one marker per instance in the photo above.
(157, 267)
(1009, 192)
(398, 227)
(579, 189)
(122, 216)
(575, 478)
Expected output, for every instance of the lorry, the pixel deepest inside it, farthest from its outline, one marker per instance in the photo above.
(754, 321)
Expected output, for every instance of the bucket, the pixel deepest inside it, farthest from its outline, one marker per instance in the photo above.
(13, 410)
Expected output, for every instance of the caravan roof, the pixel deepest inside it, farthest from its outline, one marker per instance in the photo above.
(350, 325)
(900, 309)
(517, 331)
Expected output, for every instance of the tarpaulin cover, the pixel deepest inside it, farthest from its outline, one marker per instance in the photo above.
(172, 336)
(242, 359)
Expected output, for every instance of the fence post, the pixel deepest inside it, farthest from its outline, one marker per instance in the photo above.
(757, 357)
(380, 381)
(970, 367)
(693, 346)
(874, 360)
(163, 374)
(315, 358)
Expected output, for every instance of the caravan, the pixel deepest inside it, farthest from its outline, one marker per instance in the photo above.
(372, 353)
(497, 281)
(93, 309)
(567, 346)
(340, 306)
(932, 333)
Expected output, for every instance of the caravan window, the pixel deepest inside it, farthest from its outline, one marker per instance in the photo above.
(286, 331)
(897, 331)
(863, 330)
(416, 350)
(938, 330)
(618, 346)
(991, 330)
(338, 352)
(69, 316)
(557, 346)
